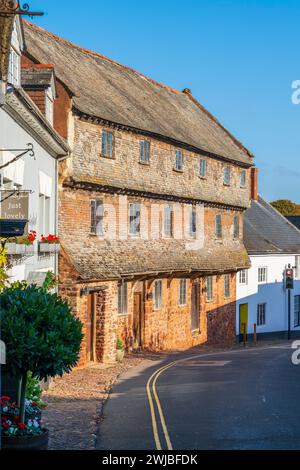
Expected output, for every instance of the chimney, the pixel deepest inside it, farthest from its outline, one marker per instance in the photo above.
(254, 183)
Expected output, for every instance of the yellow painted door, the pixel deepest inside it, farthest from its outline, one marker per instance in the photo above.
(243, 318)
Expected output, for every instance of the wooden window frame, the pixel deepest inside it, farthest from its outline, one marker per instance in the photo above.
(209, 289)
(104, 155)
(157, 305)
(182, 300)
(226, 171)
(180, 170)
(122, 298)
(94, 232)
(218, 227)
(145, 144)
(203, 161)
(261, 315)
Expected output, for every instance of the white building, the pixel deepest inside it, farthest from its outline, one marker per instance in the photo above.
(28, 187)
(273, 243)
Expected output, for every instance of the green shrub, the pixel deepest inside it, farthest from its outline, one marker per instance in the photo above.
(120, 344)
(41, 334)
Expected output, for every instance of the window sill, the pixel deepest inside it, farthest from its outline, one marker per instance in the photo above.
(144, 163)
(95, 235)
(182, 306)
(177, 170)
(202, 177)
(227, 185)
(107, 157)
(123, 315)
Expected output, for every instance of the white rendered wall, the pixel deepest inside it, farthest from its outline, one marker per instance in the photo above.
(12, 135)
(272, 293)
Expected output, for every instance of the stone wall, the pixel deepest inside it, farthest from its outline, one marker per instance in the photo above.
(125, 169)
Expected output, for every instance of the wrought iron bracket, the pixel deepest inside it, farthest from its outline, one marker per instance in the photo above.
(29, 150)
(11, 8)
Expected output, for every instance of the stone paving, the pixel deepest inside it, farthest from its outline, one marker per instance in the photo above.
(75, 402)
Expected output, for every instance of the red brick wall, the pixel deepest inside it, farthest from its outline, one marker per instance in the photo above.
(39, 98)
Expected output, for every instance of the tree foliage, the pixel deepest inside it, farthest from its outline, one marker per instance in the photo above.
(40, 332)
(286, 207)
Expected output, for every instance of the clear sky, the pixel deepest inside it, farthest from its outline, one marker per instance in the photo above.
(238, 57)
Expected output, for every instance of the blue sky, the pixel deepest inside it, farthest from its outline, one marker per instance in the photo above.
(238, 57)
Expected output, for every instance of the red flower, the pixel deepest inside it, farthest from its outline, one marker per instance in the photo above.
(5, 425)
(16, 418)
(5, 398)
(22, 426)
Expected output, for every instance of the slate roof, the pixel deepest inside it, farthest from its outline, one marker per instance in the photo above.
(267, 231)
(42, 76)
(108, 90)
(105, 260)
(295, 220)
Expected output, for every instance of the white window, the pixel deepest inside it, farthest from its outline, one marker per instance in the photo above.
(262, 275)
(243, 277)
(182, 292)
(209, 288)
(243, 178)
(134, 219)
(122, 298)
(193, 222)
(144, 151)
(297, 310)
(97, 217)
(227, 286)
(157, 295)
(226, 176)
(167, 222)
(178, 160)
(44, 215)
(14, 68)
(261, 314)
(297, 267)
(202, 168)
(107, 144)
(47, 215)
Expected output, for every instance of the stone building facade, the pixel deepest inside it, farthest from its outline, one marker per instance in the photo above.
(151, 206)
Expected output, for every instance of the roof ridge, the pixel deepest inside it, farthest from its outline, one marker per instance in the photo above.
(101, 56)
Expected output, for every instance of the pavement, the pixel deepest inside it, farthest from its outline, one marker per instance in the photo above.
(239, 399)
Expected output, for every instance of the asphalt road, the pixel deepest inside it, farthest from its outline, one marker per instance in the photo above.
(232, 400)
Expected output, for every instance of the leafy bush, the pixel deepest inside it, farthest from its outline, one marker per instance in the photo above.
(41, 334)
(120, 344)
(34, 390)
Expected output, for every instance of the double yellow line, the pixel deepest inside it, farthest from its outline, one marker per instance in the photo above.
(155, 405)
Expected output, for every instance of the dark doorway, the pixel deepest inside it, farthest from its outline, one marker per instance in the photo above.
(195, 311)
(137, 319)
(90, 327)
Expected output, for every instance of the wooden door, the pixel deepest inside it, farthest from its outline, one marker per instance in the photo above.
(243, 320)
(90, 327)
(137, 319)
(195, 302)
